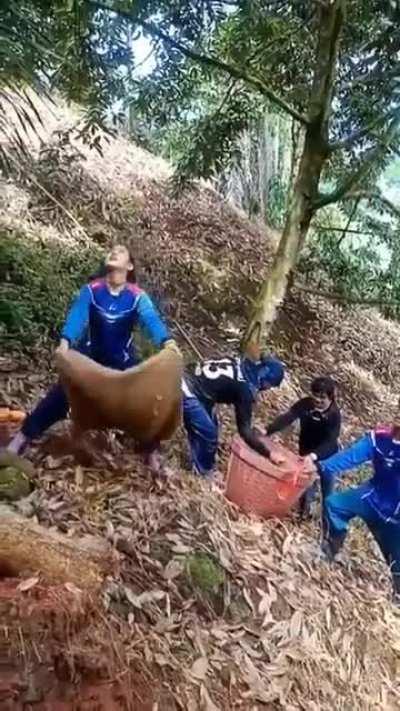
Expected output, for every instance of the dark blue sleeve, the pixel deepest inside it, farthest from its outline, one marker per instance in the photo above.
(286, 419)
(244, 410)
(151, 322)
(350, 458)
(78, 316)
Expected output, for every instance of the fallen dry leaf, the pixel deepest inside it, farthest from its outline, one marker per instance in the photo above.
(79, 478)
(173, 569)
(199, 668)
(296, 624)
(73, 589)
(350, 660)
(144, 598)
(206, 702)
(27, 584)
(264, 604)
(249, 601)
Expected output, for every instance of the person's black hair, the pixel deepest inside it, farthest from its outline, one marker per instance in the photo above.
(324, 385)
(101, 272)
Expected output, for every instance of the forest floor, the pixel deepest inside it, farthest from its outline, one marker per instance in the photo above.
(212, 609)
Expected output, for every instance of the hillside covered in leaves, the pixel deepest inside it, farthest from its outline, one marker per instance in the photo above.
(211, 609)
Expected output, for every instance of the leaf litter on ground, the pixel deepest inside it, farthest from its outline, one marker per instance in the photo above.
(289, 632)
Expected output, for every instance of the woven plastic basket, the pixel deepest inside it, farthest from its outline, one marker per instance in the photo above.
(257, 486)
(9, 425)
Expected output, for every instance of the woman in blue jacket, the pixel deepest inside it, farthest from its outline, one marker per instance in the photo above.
(99, 324)
(376, 501)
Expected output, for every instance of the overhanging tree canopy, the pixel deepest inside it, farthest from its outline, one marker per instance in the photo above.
(333, 66)
(59, 45)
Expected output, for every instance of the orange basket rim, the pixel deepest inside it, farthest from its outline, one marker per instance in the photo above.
(287, 480)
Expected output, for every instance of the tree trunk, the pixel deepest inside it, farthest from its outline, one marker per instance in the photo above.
(27, 548)
(314, 155)
(275, 285)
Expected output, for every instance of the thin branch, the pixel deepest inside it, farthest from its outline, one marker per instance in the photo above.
(147, 57)
(226, 96)
(340, 229)
(375, 196)
(346, 189)
(361, 133)
(346, 229)
(188, 340)
(279, 39)
(209, 61)
(28, 174)
(59, 204)
(344, 299)
(322, 3)
(378, 74)
(233, 71)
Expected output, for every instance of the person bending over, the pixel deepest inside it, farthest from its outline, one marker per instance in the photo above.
(229, 381)
(320, 422)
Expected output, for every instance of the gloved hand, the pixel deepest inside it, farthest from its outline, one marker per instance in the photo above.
(171, 343)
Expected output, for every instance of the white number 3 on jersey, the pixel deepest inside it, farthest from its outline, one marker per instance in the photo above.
(213, 369)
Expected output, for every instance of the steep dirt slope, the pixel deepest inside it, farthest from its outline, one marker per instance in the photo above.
(235, 613)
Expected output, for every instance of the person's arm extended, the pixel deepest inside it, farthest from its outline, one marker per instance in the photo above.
(151, 322)
(332, 437)
(254, 440)
(350, 458)
(285, 420)
(243, 411)
(77, 317)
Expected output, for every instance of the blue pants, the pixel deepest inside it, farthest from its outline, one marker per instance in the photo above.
(327, 487)
(341, 508)
(201, 426)
(53, 407)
